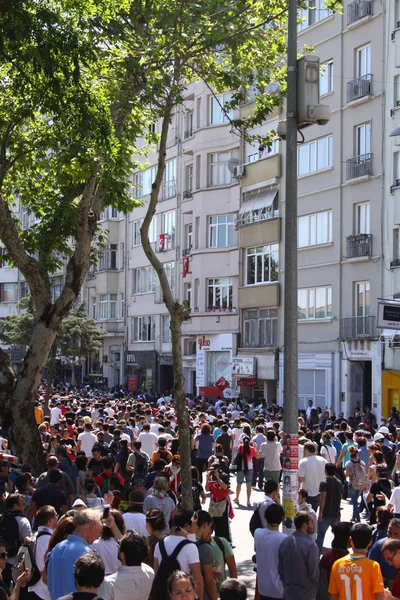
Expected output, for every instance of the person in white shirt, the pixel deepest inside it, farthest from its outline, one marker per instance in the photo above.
(149, 440)
(110, 412)
(134, 578)
(46, 520)
(87, 440)
(267, 542)
(311, 473)
(134, 518)
(271, 450)
(107, 546)
(160, 401)
(328, 451)
(55, 414)
(309, 409)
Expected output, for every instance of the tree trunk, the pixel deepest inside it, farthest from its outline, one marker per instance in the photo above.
(51, 367)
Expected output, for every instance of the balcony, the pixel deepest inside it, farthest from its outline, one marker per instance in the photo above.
(187, 194)
(359, 88)
(356, 328)
(359, 245)
(188, 134)
(358, 10)
(359, 166)
(186, 251)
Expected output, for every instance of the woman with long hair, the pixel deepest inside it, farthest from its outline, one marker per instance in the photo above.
(357, 478)
(181, 585)
(107, 546)
(244, 463)
(155, 525)
(376, 460)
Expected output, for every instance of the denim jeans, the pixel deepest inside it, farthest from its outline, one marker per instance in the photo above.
(354, 496)
(314, 501)
(323, 527)
(259, 474)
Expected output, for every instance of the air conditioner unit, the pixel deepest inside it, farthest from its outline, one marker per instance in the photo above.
(239, 171)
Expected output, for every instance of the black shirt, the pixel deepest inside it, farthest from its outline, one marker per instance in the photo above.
(333, 488)
(95, 466)
(225, 440)
(80, 596)
(52, 495)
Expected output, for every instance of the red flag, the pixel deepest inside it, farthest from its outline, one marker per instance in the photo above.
(185, 266)
(162, 242)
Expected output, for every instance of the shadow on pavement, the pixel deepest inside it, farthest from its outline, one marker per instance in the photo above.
(247, 575)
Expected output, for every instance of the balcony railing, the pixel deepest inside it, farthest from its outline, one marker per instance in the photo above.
(359, 166)
(359, 245)
(168, 190)
(395, 263)
(187, 194)
(359, 88)
(356, 328)
(186, 251)
(358, 10)
(188, 133)
(251, 217)
(395, 185)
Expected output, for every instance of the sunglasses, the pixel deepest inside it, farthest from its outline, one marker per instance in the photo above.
(3, 555)
(388, 560)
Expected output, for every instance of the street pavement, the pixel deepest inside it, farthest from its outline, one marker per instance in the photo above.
(243, 540)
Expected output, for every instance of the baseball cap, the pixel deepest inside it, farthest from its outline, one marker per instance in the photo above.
(378, 436)
(384, 429)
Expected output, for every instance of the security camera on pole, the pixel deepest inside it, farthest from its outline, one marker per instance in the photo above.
(302, 109)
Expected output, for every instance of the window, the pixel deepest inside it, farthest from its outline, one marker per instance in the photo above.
(363, 61)
(136, 239)
(262, 264)
(189, 347)
(169, 269)
(312, 386)
(315, 229)
(189, 178)
(103, 306)
(8, 292)
(144, 280)
(167, 334)
(3, 258)
(144, 329)
(189, 236)
(315, 155)
(326, 78)
(189, 123)
(219, 173)
(138, 184)
(363, 302)
(363, 139)
(169, 180)
(260, 328)
(396, 169)
(107, 307)
(57, 284)
(113, 306)
(314, 303)
(149, 176)
(220, 292)
(258, 151)
(28, 219)
(168, 229)
(188, 294)
(315, 12)
(363, 219)
(94, 308)
(108, 260)
(396, 91)
(217, 114)
(109, 212)
(220, 231)
(23, 289)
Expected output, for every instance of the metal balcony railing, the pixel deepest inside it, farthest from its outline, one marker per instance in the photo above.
(188, 133)
(186, 251)
(358, 10)
(359, 88)
(356, 328)
(359, 166)
(359, 245)
(168, 190)
(187, 194)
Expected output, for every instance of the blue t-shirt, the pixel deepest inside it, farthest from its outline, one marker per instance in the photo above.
(205, 441)
(375, 553)
(60, 569)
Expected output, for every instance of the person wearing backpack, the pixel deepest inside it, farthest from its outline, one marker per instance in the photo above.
(46, 519)
(177, 552)
(162, 452)
(138, 462)
(14, 530)
(357, 478)
(102, 480)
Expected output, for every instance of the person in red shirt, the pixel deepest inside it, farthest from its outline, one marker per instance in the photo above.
(103, 478)
(340, 545)
(391, 552)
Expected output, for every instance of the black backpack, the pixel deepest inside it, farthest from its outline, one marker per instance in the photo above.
(255, 521)
(167, 566)
(9, 532)
(141, 466)
(196, 496)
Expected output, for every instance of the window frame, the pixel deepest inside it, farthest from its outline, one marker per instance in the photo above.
(218, 101)
(223, 289)
(313, 159)
(255, 326)
(314, 229)
(145, 321)
(268, 251)
(228, 226)
(220, 166)
(311, 295)
(327, 76)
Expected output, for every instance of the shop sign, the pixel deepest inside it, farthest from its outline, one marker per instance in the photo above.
(204, 343)
(247, 382)
(132, 383)
(388, 315)
(243, 365)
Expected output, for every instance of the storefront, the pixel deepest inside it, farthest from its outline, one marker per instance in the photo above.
(213, 358)
(256, 375)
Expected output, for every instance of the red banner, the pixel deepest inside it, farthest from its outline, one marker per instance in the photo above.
(162, 242)
(185, 266)
(132, 383)
(221, 384)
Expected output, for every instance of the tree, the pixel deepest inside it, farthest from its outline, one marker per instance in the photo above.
(77, 335)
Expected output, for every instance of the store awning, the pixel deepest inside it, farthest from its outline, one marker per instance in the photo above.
(258, 200)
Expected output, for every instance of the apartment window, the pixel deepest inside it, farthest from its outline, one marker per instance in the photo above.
(138, 184)
(217, 114)
(219, 173)
(149, 176)
(189, 123)
(314, 303)
(28, 219)
(189, 178)
(312, 386)
(94, 309)
(189, 347)
(188, 294)
(364, 61)
(315, 155)
(122, 306)
(23, 289)
(168, 229)
(189, 236)
(262, 264)
(57, 284)
(220, 231)
(169, 269)
(136, 238)
(8, 292)
(3, 258)
(260, 328)
(258, 151)
(363, 218)
(144, 329)
(396, 241)
(363, 301)
(103, 306)
(169, 180)
(144, 280)
(315, 12)
(326, 78)
(109, 258)
(113, 306)
(315, 229)
(220, 292)
(167, 334)
(363, 139)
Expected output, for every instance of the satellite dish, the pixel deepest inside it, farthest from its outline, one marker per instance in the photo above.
(232, 163)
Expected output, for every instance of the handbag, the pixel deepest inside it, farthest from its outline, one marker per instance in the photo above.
(217, 509)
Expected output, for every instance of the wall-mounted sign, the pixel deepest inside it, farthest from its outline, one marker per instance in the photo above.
(244, 365)
(247, 382)
(389, 315)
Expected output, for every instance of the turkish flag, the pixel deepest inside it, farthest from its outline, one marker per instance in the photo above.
(185, 266)
(162, 242)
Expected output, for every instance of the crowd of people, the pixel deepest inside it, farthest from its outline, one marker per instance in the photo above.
(105, 519)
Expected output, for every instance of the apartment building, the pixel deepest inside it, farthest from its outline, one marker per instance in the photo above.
(219, 232)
